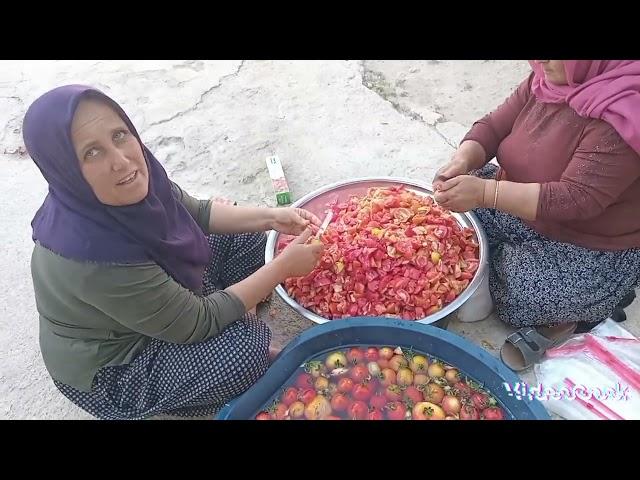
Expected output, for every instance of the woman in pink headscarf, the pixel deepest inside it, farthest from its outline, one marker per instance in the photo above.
(561, 207)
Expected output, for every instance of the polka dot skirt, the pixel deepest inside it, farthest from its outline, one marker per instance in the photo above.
(194, 379)
(537, 281)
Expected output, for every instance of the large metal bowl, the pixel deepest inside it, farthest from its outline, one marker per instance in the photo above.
(316, 202)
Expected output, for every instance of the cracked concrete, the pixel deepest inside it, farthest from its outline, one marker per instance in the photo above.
(426, 98)
(202, 97)
(211, 124)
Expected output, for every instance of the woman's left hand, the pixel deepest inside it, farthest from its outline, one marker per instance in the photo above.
(292, 221)
(461, 193)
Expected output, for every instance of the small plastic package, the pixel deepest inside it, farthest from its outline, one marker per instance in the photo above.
(280, 185)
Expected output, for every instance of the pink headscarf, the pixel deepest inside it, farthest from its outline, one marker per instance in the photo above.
(605, 89)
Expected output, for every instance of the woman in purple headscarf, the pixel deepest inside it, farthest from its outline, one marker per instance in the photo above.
(146, 295)
(561, 209)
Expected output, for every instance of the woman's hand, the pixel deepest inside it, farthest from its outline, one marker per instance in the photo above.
(292, 221)
(455, 167)
(298, 259)
(461, 193)
(470, 155)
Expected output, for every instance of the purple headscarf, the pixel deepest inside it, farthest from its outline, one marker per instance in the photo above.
(73, 223)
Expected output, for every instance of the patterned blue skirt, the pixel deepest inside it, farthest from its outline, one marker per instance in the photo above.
(537, 281)
(195, 379)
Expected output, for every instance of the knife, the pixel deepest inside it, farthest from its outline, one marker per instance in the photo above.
(325, 223)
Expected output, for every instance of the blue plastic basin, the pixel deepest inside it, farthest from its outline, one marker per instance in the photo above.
(470, 359)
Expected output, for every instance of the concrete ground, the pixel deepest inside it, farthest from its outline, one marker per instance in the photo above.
(212, 124)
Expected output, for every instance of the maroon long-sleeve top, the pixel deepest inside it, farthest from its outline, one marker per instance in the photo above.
(589, 176)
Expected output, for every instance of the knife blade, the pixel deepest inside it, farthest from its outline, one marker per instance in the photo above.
(325, 223)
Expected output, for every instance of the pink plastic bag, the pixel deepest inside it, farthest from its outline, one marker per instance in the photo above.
(592, 376)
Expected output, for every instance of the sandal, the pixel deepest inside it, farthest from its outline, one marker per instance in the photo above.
(527, 345)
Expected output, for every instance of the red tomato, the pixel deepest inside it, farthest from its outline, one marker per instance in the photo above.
(393, 393)
(263, 416)
(304, 380)
(451, 405)
(383, 362)
(469, 413)
(388, 377)
(397, 362)
(307, 395)
(279, 411)
(386, 353)
(378, 401)
(493, 413)
(376, 414)
(413, 395)
(371, 354)
(289, 396)
(345, 385)
(359, 373)
(433, 393)
(480, 400)
(462, 388)
(355, 355)
(339, 402)
(358, 410)
(362, 391)
(396, 411)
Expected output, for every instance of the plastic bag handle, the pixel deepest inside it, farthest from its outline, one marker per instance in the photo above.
(593, 408)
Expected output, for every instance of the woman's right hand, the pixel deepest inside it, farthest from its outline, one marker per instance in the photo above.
(470, 155)
(458, 165)
(298, 259)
